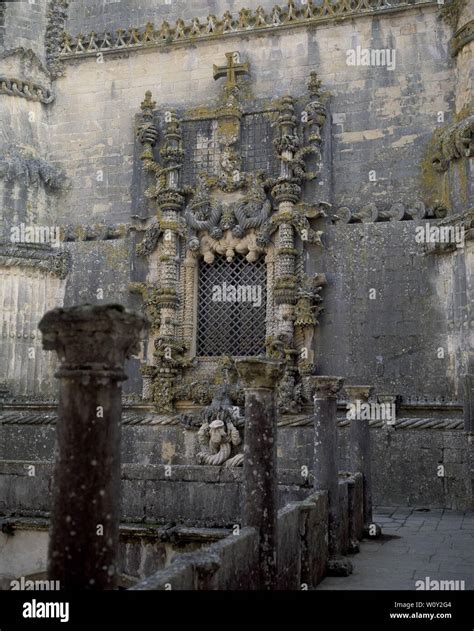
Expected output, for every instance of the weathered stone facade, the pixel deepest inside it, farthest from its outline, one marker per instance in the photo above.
(168, 143)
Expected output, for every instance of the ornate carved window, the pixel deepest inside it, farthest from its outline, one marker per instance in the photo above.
(225, 279)
(231, 307)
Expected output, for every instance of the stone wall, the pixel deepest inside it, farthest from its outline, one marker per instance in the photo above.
(382, 119)
(209, 496)
(232, 563)
(142, 550)
(405, 469)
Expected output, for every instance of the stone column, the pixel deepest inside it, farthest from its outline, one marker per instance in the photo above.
(326, 463)
(92, 343)
(260, 491)
(360, 453)
(469, 403)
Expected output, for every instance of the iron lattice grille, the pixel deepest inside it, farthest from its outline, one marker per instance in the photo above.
(202, 152)
(258, 151)
(231, 321)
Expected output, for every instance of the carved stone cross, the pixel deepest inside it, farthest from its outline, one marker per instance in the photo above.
(231, 70)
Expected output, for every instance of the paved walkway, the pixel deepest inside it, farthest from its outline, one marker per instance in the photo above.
(438, 544)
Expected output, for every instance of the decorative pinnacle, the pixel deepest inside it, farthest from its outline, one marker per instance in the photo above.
(148, 104)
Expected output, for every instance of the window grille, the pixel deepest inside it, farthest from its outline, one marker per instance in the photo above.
(231, 307)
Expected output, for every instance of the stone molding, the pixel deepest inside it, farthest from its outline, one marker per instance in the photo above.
(92, 338)
(43, 258)
(26, 89)
(25, 75)
(258, 373)
(462, 37)
(324, 387)
(246, 22)
(56, 21)
(144, 419)
(371, 213)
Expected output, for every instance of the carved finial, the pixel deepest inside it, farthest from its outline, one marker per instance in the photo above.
(147, 103)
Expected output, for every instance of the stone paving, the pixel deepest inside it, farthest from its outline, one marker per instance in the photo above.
(415, 544)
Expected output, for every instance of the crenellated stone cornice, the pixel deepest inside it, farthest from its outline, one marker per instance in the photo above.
(246, 22)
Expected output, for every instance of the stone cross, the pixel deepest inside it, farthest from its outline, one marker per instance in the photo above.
(92, 343)
(232, 70)
(260, 501)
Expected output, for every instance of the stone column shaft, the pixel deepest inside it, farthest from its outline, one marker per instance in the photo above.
(92, 343)
(469, 403)
(326, 456)
(326, 463)
(260, 489)
(360, 449)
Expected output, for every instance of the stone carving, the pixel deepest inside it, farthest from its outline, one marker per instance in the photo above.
(97, 232)
(218, 435)
(202, 213)
(151, 302)
(246, 21)
(462, 222)
(23, 163)
(216, 440)
(26, 89)
(56, 20)
(254, 209)
(228, 212)
(27, 76)
(454, 142)
(149, 242)
(451, 11)
(370, 213)
(462, 37)
(308, 307)
(44, 258)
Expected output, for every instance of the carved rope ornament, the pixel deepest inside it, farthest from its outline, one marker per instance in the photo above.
(26, 90)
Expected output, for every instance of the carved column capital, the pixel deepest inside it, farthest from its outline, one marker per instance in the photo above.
(92, 338)
(258, 372)
(359, 393)
(324, 387)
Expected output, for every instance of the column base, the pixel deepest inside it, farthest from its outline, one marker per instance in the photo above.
(372, 531)
(339, 566)
(354, 546)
